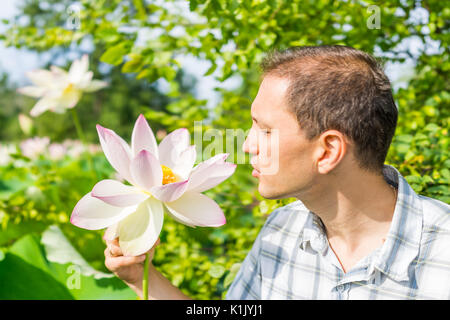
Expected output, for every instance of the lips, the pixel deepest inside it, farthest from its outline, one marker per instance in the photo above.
(255, 172)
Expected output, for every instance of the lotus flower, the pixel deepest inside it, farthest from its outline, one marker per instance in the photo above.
(58, 89)
(159, 176)
(34, 147)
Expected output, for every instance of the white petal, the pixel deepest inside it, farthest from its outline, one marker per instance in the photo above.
(140, 230)
(85, 80)
(95, 85)
(78, 69)
(143, 137)
(179, 217)
(198, 208)
(58, 71)
(41, 106)
(186, 162)
(41, 77)
(117, 194)
(94, 214)
(67, 100)
(35, 92)
(172, 146)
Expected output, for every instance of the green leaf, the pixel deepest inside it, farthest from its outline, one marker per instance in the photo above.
(216, 271)
(413, 179)
(231, 275)
(445, 173)
(59, 250)
(193, 5)
(115, 54)
(16, 231)
(211, 70)
(133, 65)
(22, 280)
(26, 273)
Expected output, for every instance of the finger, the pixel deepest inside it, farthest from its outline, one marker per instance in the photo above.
(113, 242)
(114, 249)
(109, 254)
(115, 263)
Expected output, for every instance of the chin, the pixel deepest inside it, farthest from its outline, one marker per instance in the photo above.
(270, 194)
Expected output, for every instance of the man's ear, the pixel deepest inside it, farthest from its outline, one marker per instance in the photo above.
(333, 148)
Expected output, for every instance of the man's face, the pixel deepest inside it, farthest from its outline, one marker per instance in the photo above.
(279, 148)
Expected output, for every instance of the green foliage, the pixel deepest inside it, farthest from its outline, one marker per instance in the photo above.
(136, 46)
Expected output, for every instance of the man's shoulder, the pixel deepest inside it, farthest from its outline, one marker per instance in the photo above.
(435, 233)
(436, 214)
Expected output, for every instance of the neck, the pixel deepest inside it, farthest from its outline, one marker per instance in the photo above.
(357, 209)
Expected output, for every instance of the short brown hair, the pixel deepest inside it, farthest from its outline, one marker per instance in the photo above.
(341, 88)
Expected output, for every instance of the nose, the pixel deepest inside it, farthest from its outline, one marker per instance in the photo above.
(250, 144)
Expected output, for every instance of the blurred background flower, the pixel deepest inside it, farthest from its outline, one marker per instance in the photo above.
(59, 90)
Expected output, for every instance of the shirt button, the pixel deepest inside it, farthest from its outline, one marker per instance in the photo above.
(340, 288)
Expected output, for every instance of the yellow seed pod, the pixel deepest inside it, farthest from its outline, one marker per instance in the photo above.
(168, 175)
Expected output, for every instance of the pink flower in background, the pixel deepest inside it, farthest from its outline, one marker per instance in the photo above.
(57, 151)
(74, 148)
(159, 176)
(34, 147)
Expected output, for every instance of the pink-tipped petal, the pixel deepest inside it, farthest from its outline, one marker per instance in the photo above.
(169, 192)
(94, 214)
(140, 230)
(116, 151)
(210, 173)
(146, 170)
(117, 194)
(198, 208)
(143, 137)
(172, 146)
(219, 173)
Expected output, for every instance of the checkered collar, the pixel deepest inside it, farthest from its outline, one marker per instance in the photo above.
(403, 239)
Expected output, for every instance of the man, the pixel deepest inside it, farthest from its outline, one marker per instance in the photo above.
(357, 230)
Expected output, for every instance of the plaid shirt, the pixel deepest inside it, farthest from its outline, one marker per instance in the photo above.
(291, 258)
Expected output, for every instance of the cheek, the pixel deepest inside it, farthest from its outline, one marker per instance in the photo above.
(295, 159)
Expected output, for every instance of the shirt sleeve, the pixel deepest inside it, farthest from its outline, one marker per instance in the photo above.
(247, 283)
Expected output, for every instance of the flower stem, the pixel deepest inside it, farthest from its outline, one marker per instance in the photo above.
(81, 136)
(145, 279)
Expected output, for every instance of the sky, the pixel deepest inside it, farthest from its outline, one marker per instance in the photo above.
(17, 61)
(14, 61)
